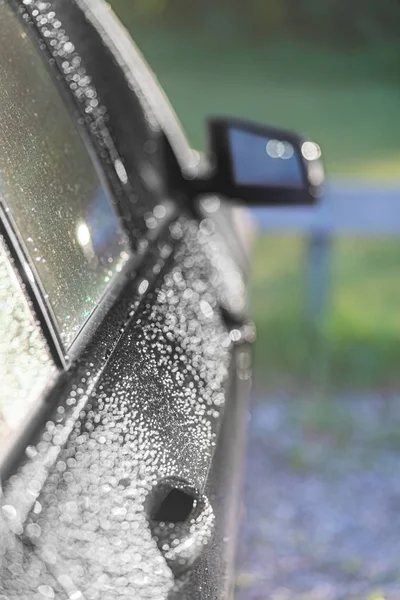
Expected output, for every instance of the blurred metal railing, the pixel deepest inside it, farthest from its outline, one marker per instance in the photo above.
(348, 208)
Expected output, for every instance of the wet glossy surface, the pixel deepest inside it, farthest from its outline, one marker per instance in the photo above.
(144, 404)
(56, 199)
(74, 520)
(25, 363)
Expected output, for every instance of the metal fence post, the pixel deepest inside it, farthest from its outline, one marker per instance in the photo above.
(318, 273)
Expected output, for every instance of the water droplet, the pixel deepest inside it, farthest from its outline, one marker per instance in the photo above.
(9, 511)
(46, 591)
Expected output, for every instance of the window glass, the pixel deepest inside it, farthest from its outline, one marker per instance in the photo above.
(25, 364)
(53, 193)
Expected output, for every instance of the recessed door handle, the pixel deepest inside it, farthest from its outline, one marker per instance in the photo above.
(182, 522)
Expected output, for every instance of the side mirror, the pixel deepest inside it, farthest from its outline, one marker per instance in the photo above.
(262, 165)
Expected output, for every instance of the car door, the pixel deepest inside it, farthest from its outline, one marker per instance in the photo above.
(120, 476)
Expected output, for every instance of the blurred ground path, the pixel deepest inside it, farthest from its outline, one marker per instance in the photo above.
(322, 499)
(350, 206)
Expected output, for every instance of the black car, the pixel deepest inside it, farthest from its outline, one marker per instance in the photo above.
(125, 362)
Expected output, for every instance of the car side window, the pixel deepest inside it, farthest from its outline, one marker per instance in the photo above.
(25, 363)
(54, 196)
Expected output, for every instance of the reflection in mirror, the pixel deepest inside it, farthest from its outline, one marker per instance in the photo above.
(258, 160)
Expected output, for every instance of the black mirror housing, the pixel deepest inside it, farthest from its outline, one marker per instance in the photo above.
(263, 166)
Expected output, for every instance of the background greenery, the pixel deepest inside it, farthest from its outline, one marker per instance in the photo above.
(334, 21)
(333, 78)
(327, 68)
(358, 344)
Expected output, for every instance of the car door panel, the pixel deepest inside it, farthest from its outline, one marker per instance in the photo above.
(213, 577)
(153, 415)
(151, 405)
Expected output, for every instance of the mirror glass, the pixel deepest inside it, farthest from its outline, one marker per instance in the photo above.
(258, 160)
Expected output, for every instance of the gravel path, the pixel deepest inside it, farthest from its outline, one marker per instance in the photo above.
(322, 515)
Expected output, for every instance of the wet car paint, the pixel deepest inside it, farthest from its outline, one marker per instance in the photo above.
(144, 406)
(76, 515)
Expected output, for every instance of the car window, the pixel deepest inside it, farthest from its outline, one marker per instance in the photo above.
(25, 363)
(55, 197)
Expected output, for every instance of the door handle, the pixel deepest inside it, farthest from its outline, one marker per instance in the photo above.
(181, 520)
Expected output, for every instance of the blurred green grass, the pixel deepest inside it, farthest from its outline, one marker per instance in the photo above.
(347, 101)
(357, 345)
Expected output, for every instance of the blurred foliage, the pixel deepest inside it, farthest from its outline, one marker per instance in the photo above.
(358, 343)
(337, 21)
(348, 101)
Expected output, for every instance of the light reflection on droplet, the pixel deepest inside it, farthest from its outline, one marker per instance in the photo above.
(9, 511)
(121, 171)
(143, 286)
(311, 151)
(46, 591)
(83, 234)
(279, 149)
(159, 211)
